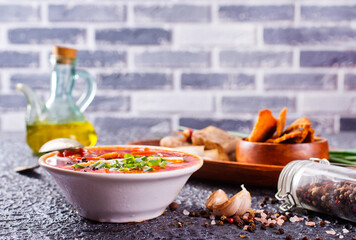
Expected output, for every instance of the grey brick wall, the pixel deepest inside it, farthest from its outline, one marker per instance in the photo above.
(160, 64)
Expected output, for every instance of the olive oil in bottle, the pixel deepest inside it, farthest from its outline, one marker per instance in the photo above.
(38, 134)
(60, 116)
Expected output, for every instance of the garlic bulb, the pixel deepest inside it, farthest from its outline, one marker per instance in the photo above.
(216, 198)
(221, 205)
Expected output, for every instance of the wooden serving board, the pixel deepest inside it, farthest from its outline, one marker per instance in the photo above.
(231, 172)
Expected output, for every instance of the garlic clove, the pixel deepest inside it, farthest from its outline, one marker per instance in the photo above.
(217, 197)
(238, 204)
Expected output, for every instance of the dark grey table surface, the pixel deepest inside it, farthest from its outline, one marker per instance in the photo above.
(32, 207)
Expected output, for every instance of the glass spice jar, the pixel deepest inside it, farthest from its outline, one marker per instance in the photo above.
(319, 186)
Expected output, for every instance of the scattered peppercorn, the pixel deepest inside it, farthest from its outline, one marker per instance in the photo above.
(192, 214)
(206, 224)
(197, 214)
(257, 214)
(239, 223)
(220, 223)
(236, 218)
(305, 238)
(173, 206)
(322, 223)
(84, 159)
(289, 237)
(266, 198)
(280, 231)
(262, 204)
(180, 225)
(263, 226)
(272, 225)
(318, 238)
(204, 214)
(251, 229)
(274, 200)
(284, 218)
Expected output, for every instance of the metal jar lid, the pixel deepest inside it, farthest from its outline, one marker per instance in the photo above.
(285, 181)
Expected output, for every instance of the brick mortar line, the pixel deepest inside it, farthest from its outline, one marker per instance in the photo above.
(175, 121)
(340, 80)
(299, 100)
(337, 123)
(130, 14)
(250, 71)
(122, 24)
(259, 36)
(218, 104)
(259, 81)
(44, 63)
(296, 59)
(214, 13)
(297, 13)
(198, 2)
(90, 38)
(177, 81)
(130, 59)
(5, 83)
(3, 39)
(215, 59)
(326, 3)
(44, 13)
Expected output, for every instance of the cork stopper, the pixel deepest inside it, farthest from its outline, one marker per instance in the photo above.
(64, 52)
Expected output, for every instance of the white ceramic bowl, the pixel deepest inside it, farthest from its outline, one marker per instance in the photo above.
(110, 197)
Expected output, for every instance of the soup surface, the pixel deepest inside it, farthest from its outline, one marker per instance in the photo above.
(121, 160)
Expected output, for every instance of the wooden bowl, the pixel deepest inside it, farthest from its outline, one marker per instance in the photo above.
(279, 154)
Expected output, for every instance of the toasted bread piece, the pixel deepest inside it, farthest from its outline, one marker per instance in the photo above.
(299, 123)
(197, 150)
(215, 138)
(305, 132)
(173, 141)
(281, 123)
(310, 136)
(264, 128)
(296, 133)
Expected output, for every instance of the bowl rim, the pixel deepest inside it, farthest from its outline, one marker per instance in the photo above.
(322, 140)
(165, 174)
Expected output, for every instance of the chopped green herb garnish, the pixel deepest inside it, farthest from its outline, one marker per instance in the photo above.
(95, 164)
(129, 163)
(78, 166)
(101, 165)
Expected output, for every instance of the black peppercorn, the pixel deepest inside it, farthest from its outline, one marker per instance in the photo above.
(289, 237)
(192, 214)
(280, 231)
(251, 229)
(263, 226)
(322, 223)
(173, 206)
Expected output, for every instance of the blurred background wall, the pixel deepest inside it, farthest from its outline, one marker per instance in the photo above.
(161, 64)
